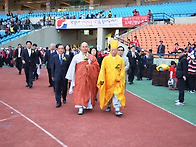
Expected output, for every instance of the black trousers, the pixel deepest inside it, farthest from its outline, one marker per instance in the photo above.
(181, 86)
(191, 81)
(50, 77)
(19, 64)
(140, 71)
(60, 89)
(149, 71)
(131, 73)
(29, 74)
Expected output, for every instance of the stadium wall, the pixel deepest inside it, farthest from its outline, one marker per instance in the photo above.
(185, 20)
(48, 35)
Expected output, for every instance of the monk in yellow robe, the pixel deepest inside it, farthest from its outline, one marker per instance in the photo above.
(83, 73)
(111, 81)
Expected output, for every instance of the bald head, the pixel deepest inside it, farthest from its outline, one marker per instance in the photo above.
(84, 47)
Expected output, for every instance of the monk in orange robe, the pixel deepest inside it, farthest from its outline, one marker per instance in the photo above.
(111, 81)
(83, 73)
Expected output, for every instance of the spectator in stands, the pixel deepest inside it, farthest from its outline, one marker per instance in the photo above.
(188, 47)
(109, 14)
(132, 56)
(74, 16)
(7, 32)
(10, 13)
(44, 20)
(192, 70)
(49, 19)
(27, 24)
(80, 17)
(142, 61)
(88, 16)
(150, 59)
(67, 16)
(149, 14)
(172, 75)
(92, 15)
(135, 12)
(1, 24)
(181, 74)
(161, 49)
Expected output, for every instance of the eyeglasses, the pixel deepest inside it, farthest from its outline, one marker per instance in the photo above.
(120, 50)
(180, 52)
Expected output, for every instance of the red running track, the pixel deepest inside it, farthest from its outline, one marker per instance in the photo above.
(40, 124)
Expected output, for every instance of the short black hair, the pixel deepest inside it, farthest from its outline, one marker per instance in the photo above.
(150, 50)
(181, 49)
(173, 63)
(57, 45)
(35, 44)
(29, 42)
(121, 47)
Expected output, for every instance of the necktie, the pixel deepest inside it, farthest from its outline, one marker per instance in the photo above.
(61, 59)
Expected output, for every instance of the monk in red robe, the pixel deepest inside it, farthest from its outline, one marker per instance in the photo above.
(83, 73)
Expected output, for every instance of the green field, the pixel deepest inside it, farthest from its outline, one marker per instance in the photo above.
(165, 98)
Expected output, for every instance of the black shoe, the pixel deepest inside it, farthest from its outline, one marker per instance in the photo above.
(50, 86)
(58, 105)
(30, 86)
(27, 85)
(108, 109)
(36, 78)
(138, 79)
(19, 73)
(130, 83)
(64, 101)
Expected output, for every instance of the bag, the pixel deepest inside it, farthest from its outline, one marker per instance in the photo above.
(170, 82)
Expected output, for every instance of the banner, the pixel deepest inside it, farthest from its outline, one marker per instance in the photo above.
(104, 23)
(134, 20)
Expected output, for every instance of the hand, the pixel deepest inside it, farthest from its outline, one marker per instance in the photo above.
(37, 65)
(23, 62)
(184, 78)
(102, 82)
(52, 78)
(86, 66)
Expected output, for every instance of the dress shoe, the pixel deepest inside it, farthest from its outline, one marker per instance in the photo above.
(50, 86)
(108, 109)
(27, 85)
(64, 101)
(30, 86)
(19, 73)
(80, 111)
(58, 105)
(118, 113)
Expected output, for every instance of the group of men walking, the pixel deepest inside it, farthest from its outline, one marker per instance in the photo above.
(81, 74)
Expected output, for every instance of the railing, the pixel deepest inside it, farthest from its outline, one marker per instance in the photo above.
(164, 17)
(182, 14)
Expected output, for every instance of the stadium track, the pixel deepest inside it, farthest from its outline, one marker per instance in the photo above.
(28, 117)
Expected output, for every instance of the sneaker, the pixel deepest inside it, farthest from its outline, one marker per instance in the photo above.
(179, 104)
(108, 109)
(118, 113)
(178, 101)
(192, 91)
(80, 111)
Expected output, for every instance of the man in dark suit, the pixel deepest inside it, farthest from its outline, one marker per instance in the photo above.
(132, 56)
(17, 57)
(161, 49)
(29, 62)
(47, 60)
(59, 66)
(38, 55)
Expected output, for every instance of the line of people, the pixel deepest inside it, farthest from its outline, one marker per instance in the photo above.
(82, 73)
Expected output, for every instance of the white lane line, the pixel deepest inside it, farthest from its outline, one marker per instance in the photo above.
(53, 137)
(8, 118)
(162, 108)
